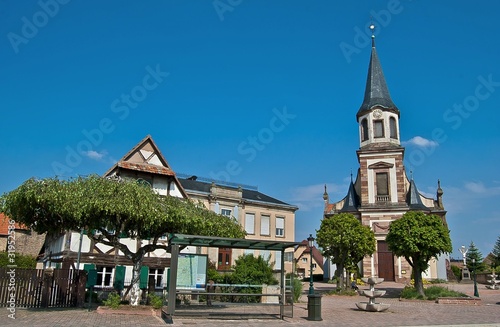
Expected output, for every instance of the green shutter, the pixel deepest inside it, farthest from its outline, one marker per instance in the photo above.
(91, 274)
(143, 283)
(119, 281)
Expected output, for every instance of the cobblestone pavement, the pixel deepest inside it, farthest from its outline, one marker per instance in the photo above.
(335, 311)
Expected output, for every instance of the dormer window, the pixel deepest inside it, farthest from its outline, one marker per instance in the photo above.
(364, 130)
(378, 128)
(393, 128)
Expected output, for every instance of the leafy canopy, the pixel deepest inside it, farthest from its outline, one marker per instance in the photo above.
(418, 237)
(346, 241)
(116, 208)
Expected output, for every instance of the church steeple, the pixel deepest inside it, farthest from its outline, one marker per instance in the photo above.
(376, 90)
(378, 116)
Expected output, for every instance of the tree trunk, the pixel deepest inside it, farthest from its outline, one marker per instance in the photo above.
(419, 285)
(135, 292)
(340, 276)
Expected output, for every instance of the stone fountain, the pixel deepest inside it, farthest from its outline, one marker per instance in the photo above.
(372, 294)
(493, 281)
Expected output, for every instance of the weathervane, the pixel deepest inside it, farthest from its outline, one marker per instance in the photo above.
(372, 28)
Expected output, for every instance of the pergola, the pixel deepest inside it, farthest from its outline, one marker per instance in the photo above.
(178, 240)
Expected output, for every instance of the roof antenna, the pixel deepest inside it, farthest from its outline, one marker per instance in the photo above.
(351, 175)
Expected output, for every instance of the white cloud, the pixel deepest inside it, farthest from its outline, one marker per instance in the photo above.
(421, 142)
(476, 187)
(94, 155)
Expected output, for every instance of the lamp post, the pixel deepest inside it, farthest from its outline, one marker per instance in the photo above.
(476, 293)
(310, 241)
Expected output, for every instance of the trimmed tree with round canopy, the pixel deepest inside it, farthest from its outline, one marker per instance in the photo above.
(345, 241)
(418, 237)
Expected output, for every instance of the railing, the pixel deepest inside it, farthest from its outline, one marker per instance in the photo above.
(382, 198)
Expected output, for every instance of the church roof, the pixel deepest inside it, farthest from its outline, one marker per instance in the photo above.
(413, 198)
(351, 202)
(376, 90)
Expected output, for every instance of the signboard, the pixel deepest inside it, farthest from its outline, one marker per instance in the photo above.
(192, 271)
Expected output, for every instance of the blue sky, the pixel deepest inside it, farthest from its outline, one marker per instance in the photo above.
(262, 93)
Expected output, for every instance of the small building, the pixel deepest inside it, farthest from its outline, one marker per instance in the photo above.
(303, 257)
(262, 216)
(21, 239)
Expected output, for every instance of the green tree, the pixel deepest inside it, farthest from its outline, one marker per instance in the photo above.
(346, 241)
(496, 253)
(473, 254)
(117, 209)
(418, 237)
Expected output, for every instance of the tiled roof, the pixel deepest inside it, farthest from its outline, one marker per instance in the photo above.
(4, 225)
(149, 168)
(318, 257)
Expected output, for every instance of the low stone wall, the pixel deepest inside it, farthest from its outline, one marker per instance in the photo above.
(459, 300)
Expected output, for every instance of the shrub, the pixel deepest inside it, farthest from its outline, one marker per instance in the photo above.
(457, 272)
(431, 293)
(20, 260)
(297, 289)
(155, 301)
(113, 301)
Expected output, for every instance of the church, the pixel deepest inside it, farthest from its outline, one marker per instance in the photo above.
(382, 191)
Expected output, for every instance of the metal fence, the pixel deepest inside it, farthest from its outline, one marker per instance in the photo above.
(37, 288)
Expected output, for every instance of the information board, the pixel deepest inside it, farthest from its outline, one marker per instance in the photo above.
(192, 271)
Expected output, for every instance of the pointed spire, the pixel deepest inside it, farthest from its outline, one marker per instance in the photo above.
(413, 197)
(325, 195)
(351, 202)
(376, 91)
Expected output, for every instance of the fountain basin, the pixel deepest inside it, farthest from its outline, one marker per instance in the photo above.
(374, 307)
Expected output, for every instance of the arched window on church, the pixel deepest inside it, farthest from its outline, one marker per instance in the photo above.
(394, 130)
(364, 130)
(378, 128)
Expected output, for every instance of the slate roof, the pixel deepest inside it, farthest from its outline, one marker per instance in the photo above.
(376, 90)
(413, 198)
(351, 202)
(248, 195)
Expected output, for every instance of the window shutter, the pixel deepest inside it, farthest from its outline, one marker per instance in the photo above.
(119, 280)
(143, 281)
(249, 223)
(264, 225)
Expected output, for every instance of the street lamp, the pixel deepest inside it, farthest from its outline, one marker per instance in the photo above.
(310, 241)
(476, 293)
